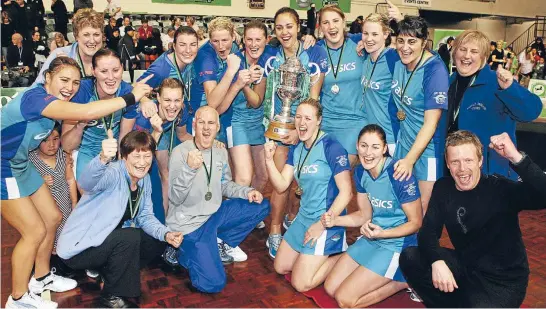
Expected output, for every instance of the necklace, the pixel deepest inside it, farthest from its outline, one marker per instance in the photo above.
(186, 81)
(299, 189)
(137, 203)
(208, 195)
(335, 87)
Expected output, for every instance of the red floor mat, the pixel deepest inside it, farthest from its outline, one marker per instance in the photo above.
(398, 300)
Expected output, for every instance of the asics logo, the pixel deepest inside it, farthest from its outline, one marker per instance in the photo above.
(41, 136)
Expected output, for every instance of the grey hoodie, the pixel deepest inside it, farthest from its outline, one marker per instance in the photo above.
(188, 209)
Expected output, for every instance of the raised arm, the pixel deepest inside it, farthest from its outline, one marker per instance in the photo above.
(280, 180)
(216, 92)
(521, 104)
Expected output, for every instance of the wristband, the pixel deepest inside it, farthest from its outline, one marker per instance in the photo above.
(129, 99)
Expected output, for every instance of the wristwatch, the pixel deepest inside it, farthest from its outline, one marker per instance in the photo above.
(523, 156)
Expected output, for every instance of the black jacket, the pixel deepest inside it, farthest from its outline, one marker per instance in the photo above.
(126, 49)
(7, 31)
(59, 12)
(27, 56)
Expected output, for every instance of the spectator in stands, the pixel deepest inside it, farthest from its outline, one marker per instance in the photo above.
(128, 51)
(10, 7)
(109, 29)
(82, 4)
(60, 14)
(128, 236)
(488, 266)
(153, 48)
(126, 22)
(145, 31)
(198, 210)
(486, 102)
(190, 22)
(20, 58)
(356, 25)
(58, 41)
(538, 71)
(88, 31)
(177, 23)
(539, 46)
(40, 49)
(20, 18)
(526, 64)
(139, 49)
(7, 31)
(113, 9)
(509, 57)
(38, 11)
(445, 52)
(311, 20)
(113, 43)
(167, 39)
(497, 56)
(535, 55)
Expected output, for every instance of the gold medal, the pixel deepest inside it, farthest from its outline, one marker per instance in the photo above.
(299, 191)
(401, 115)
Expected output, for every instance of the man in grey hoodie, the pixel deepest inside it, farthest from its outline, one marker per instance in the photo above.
(199, 178)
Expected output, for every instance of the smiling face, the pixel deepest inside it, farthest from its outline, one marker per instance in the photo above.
(371, 150)
(464, 165)
(410, 49)
(186, 48)
(64, 83)
(221, 41)
(170, 103)
(206, 125)
(126, 21)
(138, 163)
(307, 122)
(255, 41)
(468, 58)
(50, 145)
(373, 36)
(89, 40)
(332, 25)
(108, 74)
(287, 29)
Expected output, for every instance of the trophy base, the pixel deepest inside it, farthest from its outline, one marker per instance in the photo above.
(277, 130)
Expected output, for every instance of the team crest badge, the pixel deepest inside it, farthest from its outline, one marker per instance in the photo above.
(342, 160)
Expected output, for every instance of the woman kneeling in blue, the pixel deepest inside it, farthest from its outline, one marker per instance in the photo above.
(321, 168)
(389, 215)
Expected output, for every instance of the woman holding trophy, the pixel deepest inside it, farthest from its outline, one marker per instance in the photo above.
(312, 64)
(321, 168)
(419, 89)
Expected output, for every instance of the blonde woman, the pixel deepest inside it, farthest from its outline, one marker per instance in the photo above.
(58, 42)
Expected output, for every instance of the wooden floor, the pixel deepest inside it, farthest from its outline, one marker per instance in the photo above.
(254, 283)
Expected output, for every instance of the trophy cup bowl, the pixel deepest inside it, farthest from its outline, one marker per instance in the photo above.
(291, 78)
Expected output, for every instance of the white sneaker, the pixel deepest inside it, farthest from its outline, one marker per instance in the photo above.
(52, 282)
(413, 295)
(30, 300)
(236, 253)
(93, 274)
(260, 225)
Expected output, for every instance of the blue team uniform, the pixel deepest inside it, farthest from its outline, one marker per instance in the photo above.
(314, 59)
(247, 122)
(210, 67)
(327, 159)
(379, 108)
(169, 129)
(162, 68)
(95, 131)
(427, 90)
(343, 115)
(70, 51)
(386, 195)
(23, 129)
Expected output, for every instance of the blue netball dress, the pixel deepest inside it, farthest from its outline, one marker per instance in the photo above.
(210, 67)
(426, 90)
(326, 159)
(377, 81)
(168, 139)
(341, 94)
(163, 68)
(315, 61)
(95, 131)
(247, 122)
(386, 195)
(23, 129)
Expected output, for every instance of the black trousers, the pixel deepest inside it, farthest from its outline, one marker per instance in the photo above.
(475, 290)
(119, 259)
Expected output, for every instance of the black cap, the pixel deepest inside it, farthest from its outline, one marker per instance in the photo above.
(129, 28)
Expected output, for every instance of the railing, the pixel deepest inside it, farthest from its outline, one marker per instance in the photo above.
(524, 40)
(540, 30)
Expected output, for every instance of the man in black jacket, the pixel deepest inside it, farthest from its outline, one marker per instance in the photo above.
(20, 61)
(311, 19)
(488, 267)
(60, 13)
(128, 51)
(82, 4)
(445, 52)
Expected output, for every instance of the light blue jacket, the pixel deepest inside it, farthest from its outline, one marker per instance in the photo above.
(487, 110)
(102, 206)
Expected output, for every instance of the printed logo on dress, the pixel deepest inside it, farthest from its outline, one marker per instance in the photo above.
(309, 169)
(342, 160)
(477, 107)
(351, 66)
(411, 189)
(440, 97)
(42, 135)
(335, 237)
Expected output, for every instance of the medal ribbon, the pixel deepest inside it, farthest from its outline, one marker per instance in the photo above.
(209, 175)
(80, 62)
(186, 82)
(334, 72)
(137, 202)
(300, 165)
(109, 126)
(411, 75)
(371, 74)
(297, 52)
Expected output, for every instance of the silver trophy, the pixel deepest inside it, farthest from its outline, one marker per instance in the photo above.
(290, 81)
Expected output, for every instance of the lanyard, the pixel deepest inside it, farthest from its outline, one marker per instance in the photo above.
(336, 70)
(106, 127)
(371, 74)
(21, 54)
(209, 174)
(172, 136)
(80, 62)
(186, 82)
(456, 112)
(411, 75)
(297, 52)
(300, 165)
(137, 202)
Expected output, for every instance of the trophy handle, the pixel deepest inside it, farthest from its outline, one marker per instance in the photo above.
(316, 75)
(268, 67)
